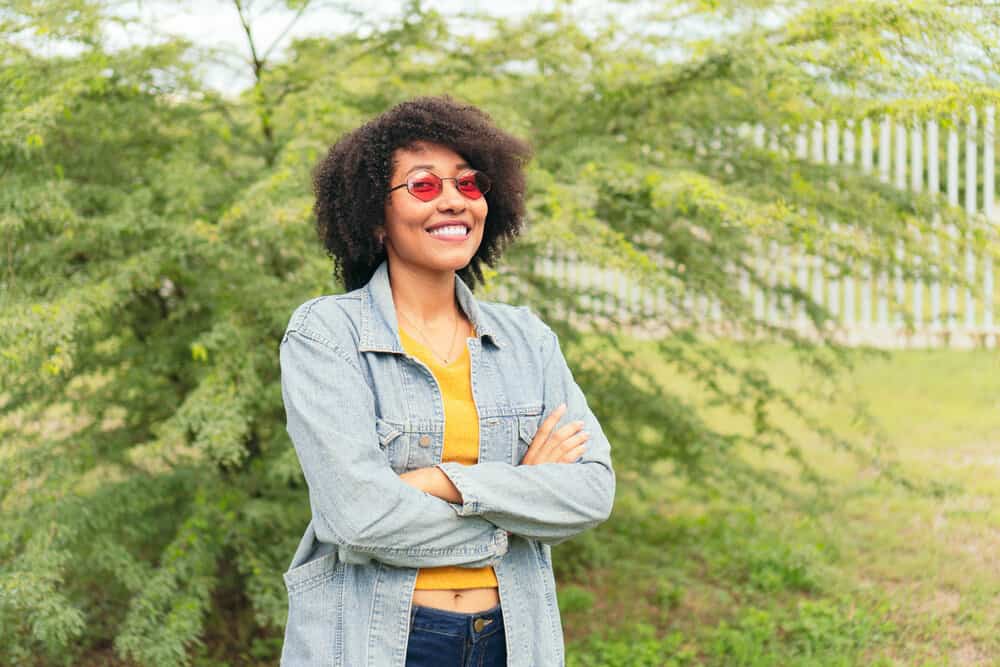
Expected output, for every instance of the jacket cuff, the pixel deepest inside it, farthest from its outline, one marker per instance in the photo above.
(456, 472)
(500, 541)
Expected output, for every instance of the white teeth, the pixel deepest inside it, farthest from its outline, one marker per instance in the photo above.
(450, 230)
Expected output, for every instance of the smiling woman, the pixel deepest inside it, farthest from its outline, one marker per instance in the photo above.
(436, 222)
(363, 179)
(424, 419)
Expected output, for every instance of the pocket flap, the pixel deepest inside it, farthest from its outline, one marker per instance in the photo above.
(387, 431)
(528, 426)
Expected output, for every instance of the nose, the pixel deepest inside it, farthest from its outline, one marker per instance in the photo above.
(450, 198)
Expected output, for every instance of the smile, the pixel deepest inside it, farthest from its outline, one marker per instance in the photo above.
(450, 232)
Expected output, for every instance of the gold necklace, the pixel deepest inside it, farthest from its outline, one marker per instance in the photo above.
(420, 331)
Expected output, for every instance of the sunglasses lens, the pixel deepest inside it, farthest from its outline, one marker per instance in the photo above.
(473, 184)
(424, 185)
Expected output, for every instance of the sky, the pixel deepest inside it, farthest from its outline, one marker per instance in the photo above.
(215, 24)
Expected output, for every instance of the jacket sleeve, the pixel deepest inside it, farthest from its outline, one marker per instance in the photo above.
(357, 501)
(549, 502)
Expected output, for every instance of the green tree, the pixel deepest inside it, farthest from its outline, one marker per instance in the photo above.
(156, 236)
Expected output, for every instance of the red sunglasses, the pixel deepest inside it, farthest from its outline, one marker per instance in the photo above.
(426, 185)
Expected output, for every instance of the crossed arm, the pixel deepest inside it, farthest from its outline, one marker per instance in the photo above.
(548, 501)
(449, 514)
(358, 502)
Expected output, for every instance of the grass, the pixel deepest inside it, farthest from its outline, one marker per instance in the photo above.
(884, 576)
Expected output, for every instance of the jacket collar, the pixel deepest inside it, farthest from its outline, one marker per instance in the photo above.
(379, 327)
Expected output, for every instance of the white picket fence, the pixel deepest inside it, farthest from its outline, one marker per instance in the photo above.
(867, 308)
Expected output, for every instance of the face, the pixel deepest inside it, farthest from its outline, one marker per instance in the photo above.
(408, 220)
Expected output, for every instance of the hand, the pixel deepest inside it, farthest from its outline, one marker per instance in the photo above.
(565, 445)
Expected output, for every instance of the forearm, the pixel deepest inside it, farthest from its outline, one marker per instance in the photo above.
(550, 502)
(436, 483)
(433, 481)
(461, 555)
(417, 531)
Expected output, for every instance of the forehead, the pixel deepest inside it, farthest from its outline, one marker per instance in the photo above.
(428, 154)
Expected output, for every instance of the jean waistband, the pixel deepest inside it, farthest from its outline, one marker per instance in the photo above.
(475, 625)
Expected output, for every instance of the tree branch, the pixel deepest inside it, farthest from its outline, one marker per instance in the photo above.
(281, 36)
(258, 64)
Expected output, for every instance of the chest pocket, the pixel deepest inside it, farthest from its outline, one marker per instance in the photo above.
(394, 446)
(527, 419)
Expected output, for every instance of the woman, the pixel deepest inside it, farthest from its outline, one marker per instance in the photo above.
(443, 439)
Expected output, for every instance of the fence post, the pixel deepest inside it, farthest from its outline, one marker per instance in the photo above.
(970, 210)
(952, 229)
(832, 158)
(988, 175)
(917, 186)
(900, 304)
(848, 157)
(866, 269)
(934, 187)
(884, 157)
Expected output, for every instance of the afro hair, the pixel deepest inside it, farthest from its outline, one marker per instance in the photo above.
(351, 183)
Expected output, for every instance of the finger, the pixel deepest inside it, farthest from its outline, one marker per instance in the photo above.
(572, 455)
(549, 423)
(560, 436)
(570, 444)
(574, 441)
(553, 449)
(541, 436)
(567, 430)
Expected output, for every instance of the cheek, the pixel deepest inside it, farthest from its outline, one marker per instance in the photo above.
(481, 209)
(403, 213)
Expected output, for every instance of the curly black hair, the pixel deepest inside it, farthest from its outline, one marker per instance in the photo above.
(351, 182)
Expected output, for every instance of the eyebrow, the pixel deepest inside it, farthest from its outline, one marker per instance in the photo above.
(460, 165)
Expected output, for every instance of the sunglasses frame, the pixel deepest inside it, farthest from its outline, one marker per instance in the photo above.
(410, 179)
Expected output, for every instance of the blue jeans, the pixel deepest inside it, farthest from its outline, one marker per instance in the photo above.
(442, 638)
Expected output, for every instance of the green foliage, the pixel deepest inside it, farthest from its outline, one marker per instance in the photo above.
(708, 582)
(815, 633)
(575, 599)
(640, 648)
(155, 237)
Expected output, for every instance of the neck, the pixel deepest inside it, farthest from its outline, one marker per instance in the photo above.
(426, 297)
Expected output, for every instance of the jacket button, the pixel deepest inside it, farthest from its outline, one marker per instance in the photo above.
(425, 440)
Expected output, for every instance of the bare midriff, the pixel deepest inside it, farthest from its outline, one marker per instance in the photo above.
(464, 600)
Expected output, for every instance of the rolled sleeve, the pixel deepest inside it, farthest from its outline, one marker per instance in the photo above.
(470, 505)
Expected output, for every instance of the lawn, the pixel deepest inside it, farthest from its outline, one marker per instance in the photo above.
(878, 575)
(874, 575)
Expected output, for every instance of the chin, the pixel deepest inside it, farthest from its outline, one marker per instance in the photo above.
(442, 264)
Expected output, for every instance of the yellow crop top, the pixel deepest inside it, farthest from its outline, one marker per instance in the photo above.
(461, 444)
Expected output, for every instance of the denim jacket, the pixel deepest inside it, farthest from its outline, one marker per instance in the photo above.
(360, 411)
